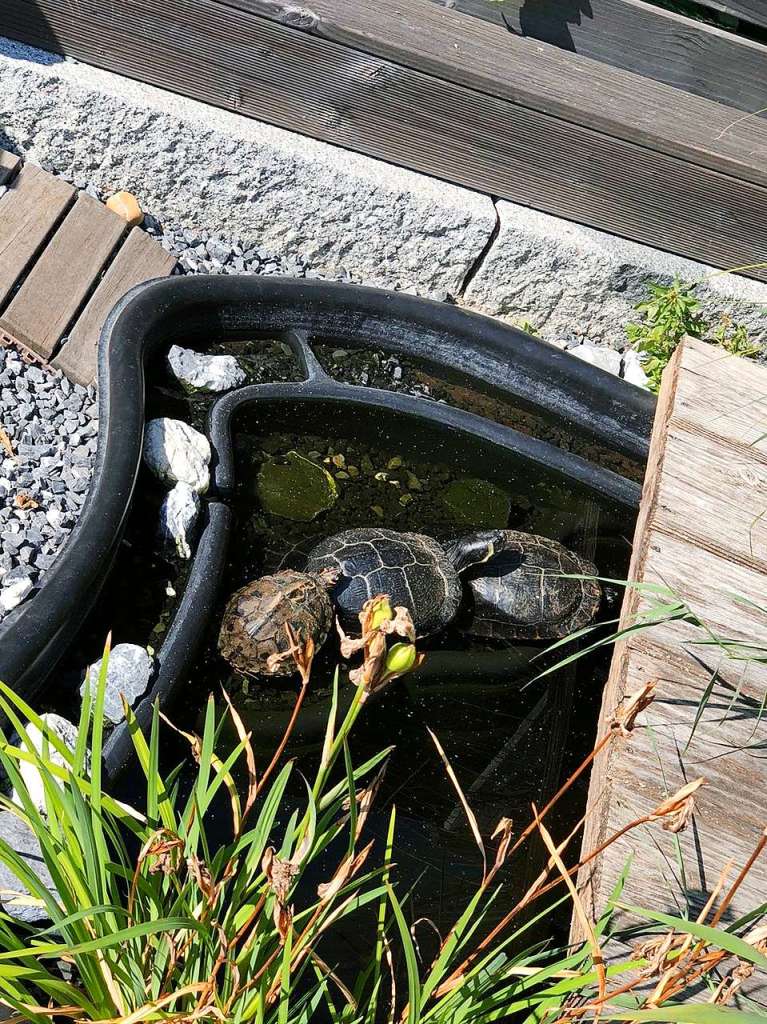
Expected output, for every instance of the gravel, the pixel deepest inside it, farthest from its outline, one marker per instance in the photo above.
(49, 445)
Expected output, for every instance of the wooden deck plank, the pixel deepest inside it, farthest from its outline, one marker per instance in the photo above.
(486, 57)
(9, 166)
(29, 211)
(61, 279)
(679, 51)
(707, 563)
(140, 259)
(684, 175)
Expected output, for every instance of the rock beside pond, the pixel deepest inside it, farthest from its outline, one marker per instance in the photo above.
(177, 453)
(178, 519)
(128, 674)
(633, 371)
(67, 733)
(205, 372)
(296, 489)
(598, 355)
(15, 899)
(14, 591)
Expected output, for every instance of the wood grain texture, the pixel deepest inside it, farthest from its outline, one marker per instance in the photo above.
(61, 279)
(140, 259)
(486, 57)
(9, 166)
(531, 146)
(695, 535)
(679, 51)
(29, 211)
(753, 12)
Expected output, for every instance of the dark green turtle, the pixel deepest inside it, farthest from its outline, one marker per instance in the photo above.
(411, 568)
(253, 638)
(516, 587)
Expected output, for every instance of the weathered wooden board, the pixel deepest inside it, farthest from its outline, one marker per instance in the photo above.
(677, 50)
(29, 211)
(508, 116)
(752, 12)
(61, 279)
(140, 259)
(698, 534)
(9, 166)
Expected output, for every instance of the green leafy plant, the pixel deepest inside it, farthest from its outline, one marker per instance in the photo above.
(671, 312)
(157, 917)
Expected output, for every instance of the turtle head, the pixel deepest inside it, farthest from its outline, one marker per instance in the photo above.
(474, 548)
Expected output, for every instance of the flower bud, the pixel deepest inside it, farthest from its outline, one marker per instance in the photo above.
(400, 658)
(381, 613)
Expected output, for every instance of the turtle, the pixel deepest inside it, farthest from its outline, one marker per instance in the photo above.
(515, 588)
(253, 634)
(411, 568)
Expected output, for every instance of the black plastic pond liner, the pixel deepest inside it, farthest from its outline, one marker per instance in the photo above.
(452, 344)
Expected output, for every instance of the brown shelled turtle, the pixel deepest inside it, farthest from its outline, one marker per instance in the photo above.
(520, 586)
(253, 637)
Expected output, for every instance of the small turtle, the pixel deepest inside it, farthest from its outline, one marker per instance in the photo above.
(253, 634)
(411, 568)
(516, 587)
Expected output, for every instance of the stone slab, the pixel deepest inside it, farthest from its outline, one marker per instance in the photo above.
(199, 167)
(573, 283)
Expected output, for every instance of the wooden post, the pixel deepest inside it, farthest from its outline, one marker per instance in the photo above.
(702, 532)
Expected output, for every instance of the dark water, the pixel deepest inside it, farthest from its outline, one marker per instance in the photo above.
(511, 738)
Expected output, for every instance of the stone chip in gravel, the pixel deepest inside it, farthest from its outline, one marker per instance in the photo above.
(14, 592)
(205, 372)
(128, 673)
(177, 453)
(178, 519)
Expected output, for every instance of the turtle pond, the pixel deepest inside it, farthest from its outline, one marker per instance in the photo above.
(512, 730)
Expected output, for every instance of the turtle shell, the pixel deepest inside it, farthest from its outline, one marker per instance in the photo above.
(520, 593)
(411, 568)
(253, 626)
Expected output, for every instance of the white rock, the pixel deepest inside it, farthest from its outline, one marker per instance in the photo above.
(128, 673)
(14, 897)
(633, 371)
(13, 593)
(176, 452)
(205, 372)
(178, 519)
(605, 358)
(67, 733)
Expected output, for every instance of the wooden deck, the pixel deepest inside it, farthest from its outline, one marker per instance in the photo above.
(65, 260)
(702, 532)
(664, 143)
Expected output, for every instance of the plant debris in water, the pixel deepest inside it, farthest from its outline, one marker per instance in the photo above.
(295, 488)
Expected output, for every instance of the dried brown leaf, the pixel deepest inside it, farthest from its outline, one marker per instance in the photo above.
(464, 802)
(677, 810)
(6, 443)
(25, 501)
(633, 705)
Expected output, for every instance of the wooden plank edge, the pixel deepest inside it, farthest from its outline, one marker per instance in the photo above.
(9, 166)
(594, 833)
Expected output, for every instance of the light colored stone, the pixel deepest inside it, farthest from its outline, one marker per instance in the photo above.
(178, 519)
(176, 452)
(601, 356)
(13, 593)
(14, 897)
(128, 673)
(204, 372)
(632, 369)
(67, 733)
(578, 284)
(204, 168)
